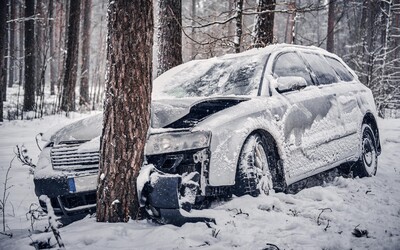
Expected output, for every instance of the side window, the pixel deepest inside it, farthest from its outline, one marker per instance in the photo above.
(320, 67)
(343, 73)
(290, 64)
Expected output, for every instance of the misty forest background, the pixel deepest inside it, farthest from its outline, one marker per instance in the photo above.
(53, 53)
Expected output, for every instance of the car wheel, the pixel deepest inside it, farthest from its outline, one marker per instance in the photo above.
(368, 162)
(253, 175)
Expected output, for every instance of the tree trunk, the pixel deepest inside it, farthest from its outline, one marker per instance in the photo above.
(29, 96)
(193, 51)
(71, 64)
(3, 25)
(84, 88)
(330, 42)
(13, 25)
(21, 45)
(290, 24)
(263, 33)
(238, 31)
(169, 35)
(6, 53)
(53, 52)
(126, 108)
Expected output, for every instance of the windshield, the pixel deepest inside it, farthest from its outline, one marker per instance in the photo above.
(235, 75)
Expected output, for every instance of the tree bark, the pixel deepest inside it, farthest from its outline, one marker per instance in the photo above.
(330, 42)
(3, 24)
(126, 108)
(71, 64)
(84, 88)
(29, 96)
(263, 33)
(169, 35)
(238, 30)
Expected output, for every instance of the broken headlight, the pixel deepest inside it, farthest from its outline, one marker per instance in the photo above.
(175, 142)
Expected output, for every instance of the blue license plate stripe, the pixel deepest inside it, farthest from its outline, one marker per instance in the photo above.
(71, 185)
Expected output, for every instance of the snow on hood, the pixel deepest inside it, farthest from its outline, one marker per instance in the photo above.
(85, 129)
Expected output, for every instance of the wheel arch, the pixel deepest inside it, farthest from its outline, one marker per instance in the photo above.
(277, 170)
(370, 120)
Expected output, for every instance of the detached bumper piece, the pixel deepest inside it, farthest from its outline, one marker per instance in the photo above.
(161, 194)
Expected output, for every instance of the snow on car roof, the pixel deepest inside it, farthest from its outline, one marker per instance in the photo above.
(231, 74)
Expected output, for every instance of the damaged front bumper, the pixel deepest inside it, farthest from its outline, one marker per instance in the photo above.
(162, 197)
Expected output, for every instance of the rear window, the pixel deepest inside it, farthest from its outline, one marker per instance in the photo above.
(323, 72)
(343, 73)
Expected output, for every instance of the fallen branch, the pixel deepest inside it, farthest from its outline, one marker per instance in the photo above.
(319, 216)
(53, 224)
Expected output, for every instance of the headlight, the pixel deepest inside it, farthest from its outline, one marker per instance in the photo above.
(175, 142)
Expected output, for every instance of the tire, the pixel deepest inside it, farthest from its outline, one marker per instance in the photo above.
(253, 175)
(367, 165)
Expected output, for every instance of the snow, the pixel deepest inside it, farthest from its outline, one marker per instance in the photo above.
(319, 217)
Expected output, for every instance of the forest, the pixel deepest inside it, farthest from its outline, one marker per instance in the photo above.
(55, 51)
(61, 61)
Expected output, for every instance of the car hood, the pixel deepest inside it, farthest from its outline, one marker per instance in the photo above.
(187, 112)
(165, 113)
(82, 130)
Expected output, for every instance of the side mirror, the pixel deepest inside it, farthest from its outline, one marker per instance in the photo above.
(288, 83)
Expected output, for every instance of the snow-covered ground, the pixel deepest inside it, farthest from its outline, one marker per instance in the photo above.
(321, 217)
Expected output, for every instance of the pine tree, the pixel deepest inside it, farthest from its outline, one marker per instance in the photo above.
(3, 13)
(126, 108)
(169, 35)
(263, 33)
(71, 62)
(29, 96)
(84, 88)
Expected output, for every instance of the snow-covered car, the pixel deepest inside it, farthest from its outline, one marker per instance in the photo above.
(239, 124)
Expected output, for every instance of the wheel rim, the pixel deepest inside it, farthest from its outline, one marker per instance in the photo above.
(262, 168)
(369, 155)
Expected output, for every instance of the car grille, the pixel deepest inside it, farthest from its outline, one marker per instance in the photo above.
(66, 156)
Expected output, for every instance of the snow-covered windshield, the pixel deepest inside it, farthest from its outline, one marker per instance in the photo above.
(229, 75)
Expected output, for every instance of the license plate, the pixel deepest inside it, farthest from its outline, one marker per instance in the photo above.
(82, 183)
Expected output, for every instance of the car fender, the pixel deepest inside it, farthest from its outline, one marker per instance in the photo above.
(230, 129)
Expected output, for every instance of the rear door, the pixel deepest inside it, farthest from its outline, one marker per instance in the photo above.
(307, 122)
(337, 128)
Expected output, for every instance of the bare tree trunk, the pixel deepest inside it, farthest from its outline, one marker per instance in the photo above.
(53, 52)
(169, 35)
(330, 42)
(193, 32)
(263, 33)
(21, 49)
(290, 24)
(29, 96)
(71, 65)
(238, 31)
(126, 108)
(3, 25)
(13, 25)
(39, 43)
(84, 88)
(6, 53)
